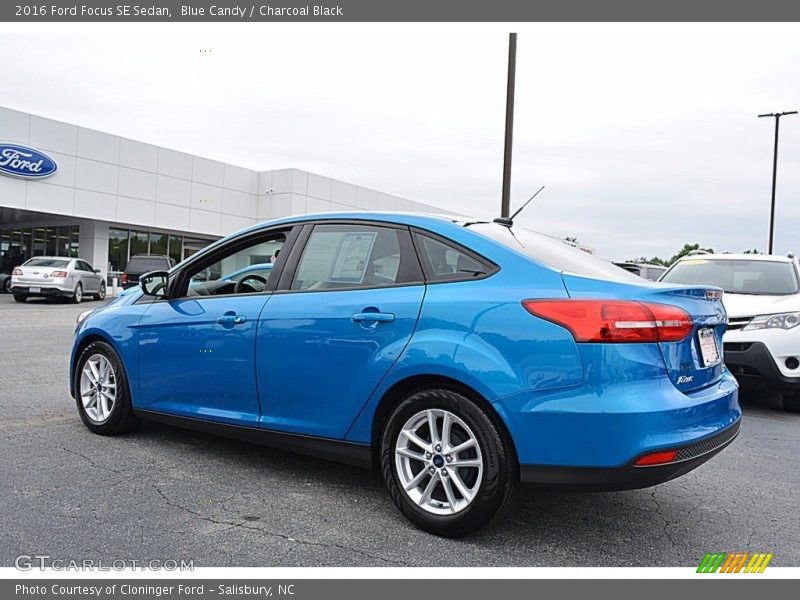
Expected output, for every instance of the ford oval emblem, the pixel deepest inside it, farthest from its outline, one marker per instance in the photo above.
(22, 161)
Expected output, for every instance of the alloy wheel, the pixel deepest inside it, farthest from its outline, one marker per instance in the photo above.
(439, 462)
(98, 388)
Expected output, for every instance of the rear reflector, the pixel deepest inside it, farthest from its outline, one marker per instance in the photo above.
(656, 458)
(614, 321)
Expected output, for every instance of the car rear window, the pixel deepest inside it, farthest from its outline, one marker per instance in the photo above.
(553, 253)
(146, 263)
(46, 262)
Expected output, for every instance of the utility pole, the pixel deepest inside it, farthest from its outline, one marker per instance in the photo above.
(505, 204)
(777, 117)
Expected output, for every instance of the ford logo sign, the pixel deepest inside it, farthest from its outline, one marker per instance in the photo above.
(21, 161)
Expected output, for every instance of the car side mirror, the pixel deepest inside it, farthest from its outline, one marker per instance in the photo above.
(154, 283)
(97, 271)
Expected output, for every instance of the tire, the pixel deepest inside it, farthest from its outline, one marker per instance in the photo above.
(495, 483)
(77, 297)
(20, 298)
(791, 402)
(101, 295)
(119, 418)
(7, 286)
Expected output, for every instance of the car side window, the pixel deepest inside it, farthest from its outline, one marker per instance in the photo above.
(245, 269)
(347, 256)
(446, 262)
(82, 266)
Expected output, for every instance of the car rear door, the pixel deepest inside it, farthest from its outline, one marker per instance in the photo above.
(89, 279)
(347, 306)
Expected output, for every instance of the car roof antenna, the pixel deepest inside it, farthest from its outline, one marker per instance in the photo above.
(509, 221)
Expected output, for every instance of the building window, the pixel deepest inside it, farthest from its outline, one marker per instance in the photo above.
(117, 250)
(139, 242)
(175, 251)
(158, 243)
(51, 241)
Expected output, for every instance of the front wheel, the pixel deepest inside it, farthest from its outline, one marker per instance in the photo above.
(78, 295)
(101, 391)
(101, 295)
(446, 466)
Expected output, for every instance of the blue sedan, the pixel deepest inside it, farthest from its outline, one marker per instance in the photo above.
(458, 358)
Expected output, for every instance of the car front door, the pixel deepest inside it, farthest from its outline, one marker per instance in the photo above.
(346, 307)
(197, 348)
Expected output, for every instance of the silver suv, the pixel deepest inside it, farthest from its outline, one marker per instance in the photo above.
(57, 276)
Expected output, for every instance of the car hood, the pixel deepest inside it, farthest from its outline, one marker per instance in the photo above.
(744, 305)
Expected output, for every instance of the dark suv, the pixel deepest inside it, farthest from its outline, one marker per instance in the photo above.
(139, 264)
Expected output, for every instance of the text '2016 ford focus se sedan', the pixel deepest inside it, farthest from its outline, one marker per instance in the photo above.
(459, 358)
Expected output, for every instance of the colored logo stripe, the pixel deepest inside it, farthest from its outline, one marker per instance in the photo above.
(734, 562)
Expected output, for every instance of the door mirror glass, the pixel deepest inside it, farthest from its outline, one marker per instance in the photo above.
(154, 283)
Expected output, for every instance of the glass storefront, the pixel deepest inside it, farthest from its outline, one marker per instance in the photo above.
(124, 243)
(18, 244)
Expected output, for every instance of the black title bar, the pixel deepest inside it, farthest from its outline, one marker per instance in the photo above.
(400, 10)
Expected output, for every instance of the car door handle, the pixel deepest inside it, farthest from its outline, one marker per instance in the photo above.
(378, 317)
(231, 319)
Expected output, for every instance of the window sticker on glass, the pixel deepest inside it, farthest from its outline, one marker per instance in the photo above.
(351, 262)
(336, 257)
(316, 263)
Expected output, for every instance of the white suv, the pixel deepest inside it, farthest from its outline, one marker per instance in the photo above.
(762, 298)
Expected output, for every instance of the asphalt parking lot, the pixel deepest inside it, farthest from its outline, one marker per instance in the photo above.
(165, 493)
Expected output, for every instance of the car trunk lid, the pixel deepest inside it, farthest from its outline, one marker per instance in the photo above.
(690, 362)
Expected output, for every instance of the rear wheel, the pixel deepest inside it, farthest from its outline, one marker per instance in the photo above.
(101, 391)
(446, 466)
(78, 295)
(7, 286)
(20, 298)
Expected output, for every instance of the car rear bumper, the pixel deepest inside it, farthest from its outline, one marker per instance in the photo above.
(630, 476)
(44, 291)
(606, 428)
(753, 364)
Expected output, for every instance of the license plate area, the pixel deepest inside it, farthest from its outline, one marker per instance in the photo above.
(34, 289)
(709, 349)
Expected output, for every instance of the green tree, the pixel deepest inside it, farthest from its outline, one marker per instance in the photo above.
(657, 260)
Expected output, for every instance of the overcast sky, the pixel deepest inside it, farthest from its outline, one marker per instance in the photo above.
(646, 136)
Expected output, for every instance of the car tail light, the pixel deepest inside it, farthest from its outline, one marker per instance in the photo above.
(124, 278)
(656, 458)
(16, 272)
(61, 274)
(614, 320)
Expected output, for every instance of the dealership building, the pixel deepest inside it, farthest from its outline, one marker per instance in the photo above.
(108, 198)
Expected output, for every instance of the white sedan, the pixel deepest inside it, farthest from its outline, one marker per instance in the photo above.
(57, 276)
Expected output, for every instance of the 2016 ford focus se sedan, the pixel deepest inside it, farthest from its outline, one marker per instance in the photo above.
(458, 358)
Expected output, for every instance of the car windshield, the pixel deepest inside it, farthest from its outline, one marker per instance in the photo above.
(553, 252)
(47, 262)
(737, 276)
